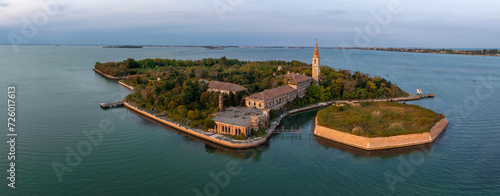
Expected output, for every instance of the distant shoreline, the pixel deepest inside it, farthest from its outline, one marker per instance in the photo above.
(482, 52)
(271, 47)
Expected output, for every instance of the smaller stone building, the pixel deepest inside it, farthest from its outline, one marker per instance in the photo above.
(224, 87)
(298, 81)
(236, 120)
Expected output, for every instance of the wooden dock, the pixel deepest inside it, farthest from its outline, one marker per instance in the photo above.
(430, 95)
(112, 105)
(292, 132)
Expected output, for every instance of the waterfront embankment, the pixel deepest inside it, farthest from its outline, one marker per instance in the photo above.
(108, 76)
(378, 143)
(212, 137)
(126, 85)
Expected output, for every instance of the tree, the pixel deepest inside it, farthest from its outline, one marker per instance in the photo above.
(205, 97)
(230, 99)
(223, 61)
(337, 88)
(325, 94)
(192, 115)
(131, 63)
(361, 93)
(371, 87)
(181, 110)
(209, 123)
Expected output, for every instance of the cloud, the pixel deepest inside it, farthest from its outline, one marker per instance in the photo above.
(303, 20)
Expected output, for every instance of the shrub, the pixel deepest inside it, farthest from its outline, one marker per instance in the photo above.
(358, 130)
(397, 126)
(209, 123)
(241, 136)
(376, 114)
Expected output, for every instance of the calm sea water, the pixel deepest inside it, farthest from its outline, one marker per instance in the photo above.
(58, 98)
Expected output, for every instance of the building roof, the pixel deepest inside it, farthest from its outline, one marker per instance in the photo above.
(272, 93)
(240, 116)
(203, 80)
(224, 86)
(296, 77)
(316, 51)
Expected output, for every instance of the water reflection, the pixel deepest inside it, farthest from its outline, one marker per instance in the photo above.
(372, 153)
(252, 154)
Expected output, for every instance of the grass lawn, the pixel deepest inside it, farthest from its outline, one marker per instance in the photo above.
(378, 119)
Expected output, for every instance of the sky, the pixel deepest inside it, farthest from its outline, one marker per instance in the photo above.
(335, 23)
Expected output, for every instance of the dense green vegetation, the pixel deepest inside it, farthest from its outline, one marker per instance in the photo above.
(378, 119)
(172, 88)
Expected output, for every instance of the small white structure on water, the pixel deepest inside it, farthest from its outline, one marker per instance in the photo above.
(419, 91)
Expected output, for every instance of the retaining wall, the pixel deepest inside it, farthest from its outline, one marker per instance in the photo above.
(378, 143)
(108, 76)
(126, 85)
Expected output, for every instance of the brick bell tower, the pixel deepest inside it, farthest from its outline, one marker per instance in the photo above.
(315, 65)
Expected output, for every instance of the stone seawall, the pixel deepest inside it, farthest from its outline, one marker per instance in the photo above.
(108, 76)
(379, 143)
(206, 136)
(126, 85)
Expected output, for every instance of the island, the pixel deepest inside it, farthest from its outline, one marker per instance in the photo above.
(483, 52)
(379, 125)
(123, 46)
(235, 103)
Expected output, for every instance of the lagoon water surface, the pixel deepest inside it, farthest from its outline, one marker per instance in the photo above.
(58, 98)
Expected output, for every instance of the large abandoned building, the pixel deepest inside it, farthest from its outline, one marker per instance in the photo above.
(240, 120)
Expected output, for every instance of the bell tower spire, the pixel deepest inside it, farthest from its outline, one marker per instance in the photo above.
(316, 64)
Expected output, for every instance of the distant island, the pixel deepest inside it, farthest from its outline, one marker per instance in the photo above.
(483, 52)
(379, 125)
(124, 46)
